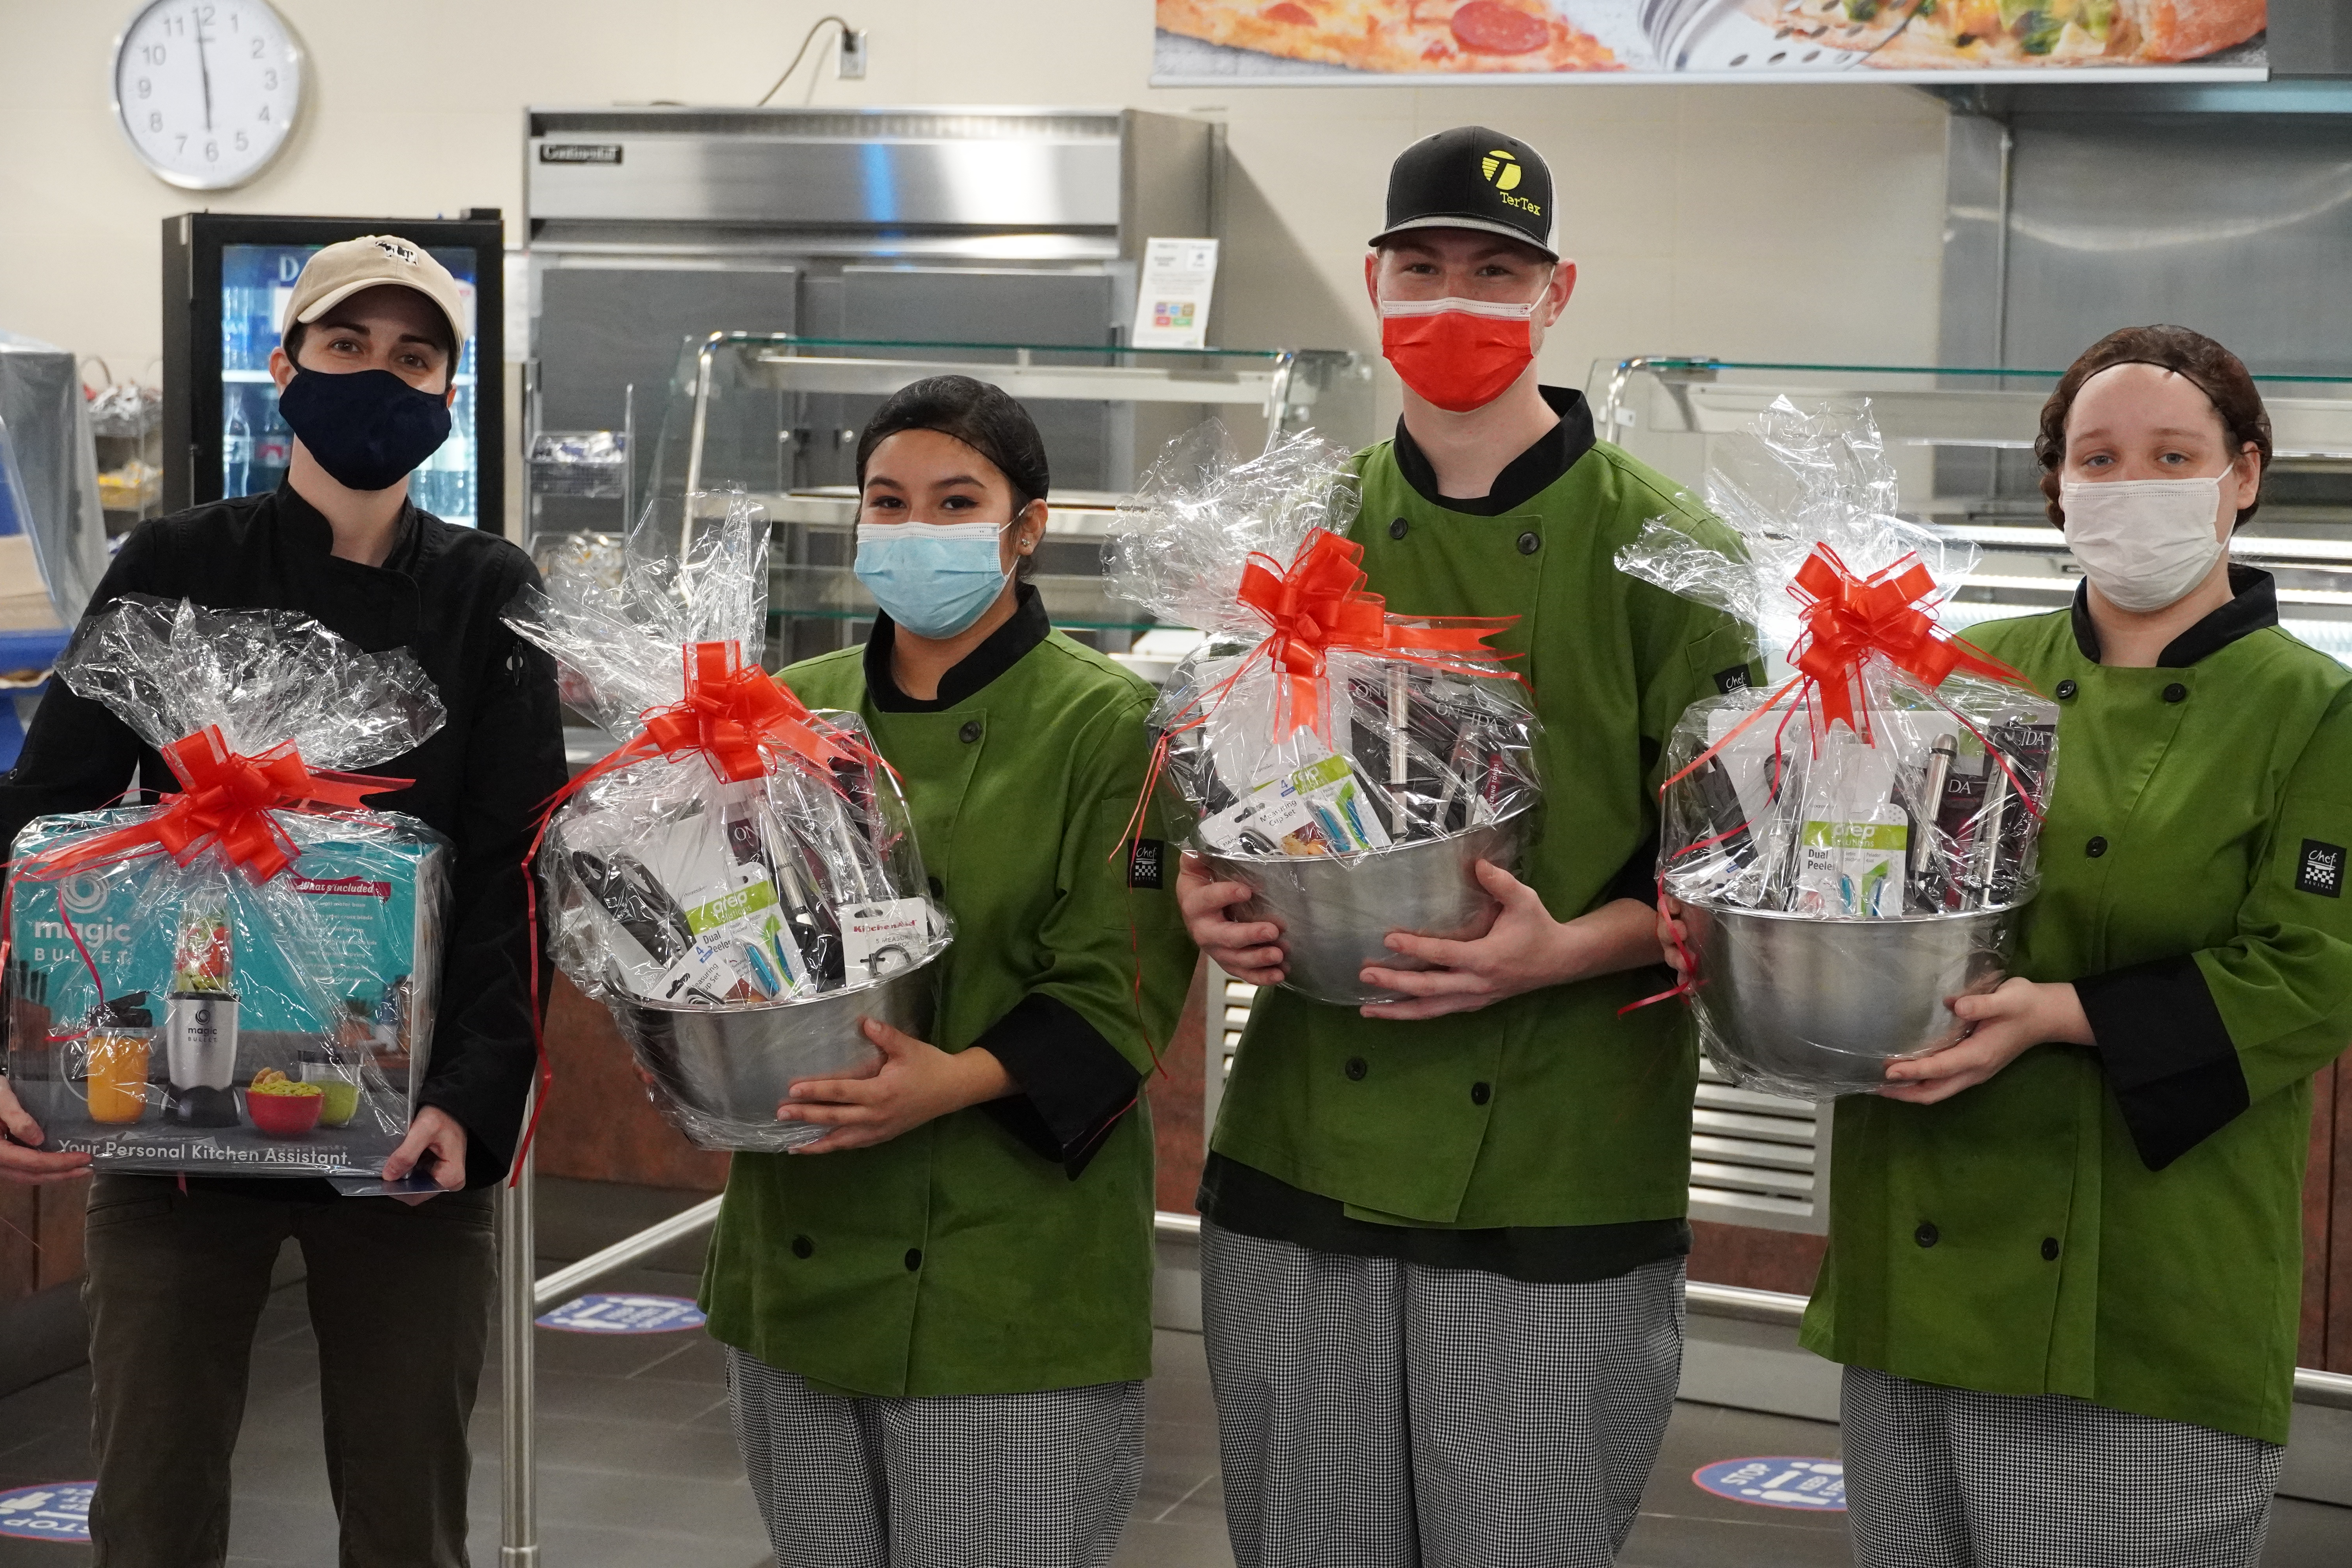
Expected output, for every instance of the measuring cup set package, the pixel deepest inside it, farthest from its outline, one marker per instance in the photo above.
(1900, 772)
(1311, 722)
(241, 979)
(737, 851)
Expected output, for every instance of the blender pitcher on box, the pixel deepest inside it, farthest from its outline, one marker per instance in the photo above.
(243, 907)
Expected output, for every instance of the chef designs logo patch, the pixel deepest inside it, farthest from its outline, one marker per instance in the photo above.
(2321, 869)
(1147, 864)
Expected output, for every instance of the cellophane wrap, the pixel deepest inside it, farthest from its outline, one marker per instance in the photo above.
(674, 889)
(1862, 790)
(1368, 742)
(200, 1007)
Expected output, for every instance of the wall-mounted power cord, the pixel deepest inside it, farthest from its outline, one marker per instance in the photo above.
(814, 28)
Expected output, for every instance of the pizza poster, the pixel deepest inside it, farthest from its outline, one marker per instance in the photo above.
(1340, 42)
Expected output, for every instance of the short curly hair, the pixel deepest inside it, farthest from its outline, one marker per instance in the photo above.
(2220, 374)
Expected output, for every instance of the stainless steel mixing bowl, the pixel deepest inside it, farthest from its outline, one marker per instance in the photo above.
(1812, 1008)
(1336, 912)
(721, 1072)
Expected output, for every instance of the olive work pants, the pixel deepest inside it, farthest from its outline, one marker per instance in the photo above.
(400, 1300)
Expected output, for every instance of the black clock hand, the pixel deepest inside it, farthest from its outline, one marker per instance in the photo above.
(203, 67)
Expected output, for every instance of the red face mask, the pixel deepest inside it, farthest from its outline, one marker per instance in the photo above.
(1458, 354)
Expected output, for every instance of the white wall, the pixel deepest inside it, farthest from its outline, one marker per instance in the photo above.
(1780, 223)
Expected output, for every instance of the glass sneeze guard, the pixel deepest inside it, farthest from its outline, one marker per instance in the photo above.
(779, 414)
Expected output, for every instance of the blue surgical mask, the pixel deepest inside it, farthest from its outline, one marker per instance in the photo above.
(934, 578)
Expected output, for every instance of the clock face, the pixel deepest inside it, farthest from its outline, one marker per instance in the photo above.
(207, 89)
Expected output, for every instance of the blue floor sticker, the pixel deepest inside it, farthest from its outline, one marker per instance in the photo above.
(624, 1315)
(59, 1512)
(1817, 1484)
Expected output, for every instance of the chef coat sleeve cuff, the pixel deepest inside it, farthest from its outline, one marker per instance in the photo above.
(2168, 1055)
(1638, 878)
(1074, 1085)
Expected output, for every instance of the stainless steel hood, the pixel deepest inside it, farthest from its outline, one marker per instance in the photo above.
(1004, 184)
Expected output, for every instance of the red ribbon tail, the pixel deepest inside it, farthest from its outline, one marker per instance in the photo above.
(1685, 982)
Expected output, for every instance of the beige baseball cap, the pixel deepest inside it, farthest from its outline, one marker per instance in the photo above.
(371, 261)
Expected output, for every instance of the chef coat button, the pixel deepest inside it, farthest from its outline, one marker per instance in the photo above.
(2067, 689)
(2176, 693)
(2095, 847)
(1397, 529)
(1926, 1234)
(1356, 1070)
(2050, 1250)
(802, 1247)
(914, 1258)
(969, 732)
(1480, 1093)
(938, 888)
(1529, 543)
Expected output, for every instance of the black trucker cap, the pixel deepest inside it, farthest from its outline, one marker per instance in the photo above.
(1471, 177)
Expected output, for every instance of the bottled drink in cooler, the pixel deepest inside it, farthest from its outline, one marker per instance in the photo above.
(273, 451)
(456, 460)
(237, 452)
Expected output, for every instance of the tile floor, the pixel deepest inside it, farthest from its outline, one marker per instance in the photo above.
(636, 1466)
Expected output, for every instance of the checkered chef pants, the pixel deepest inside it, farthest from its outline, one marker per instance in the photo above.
(1947, 1477)
(983, 1480)
(1379, 1414)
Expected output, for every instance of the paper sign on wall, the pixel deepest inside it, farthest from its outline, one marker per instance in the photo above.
(1171, 298)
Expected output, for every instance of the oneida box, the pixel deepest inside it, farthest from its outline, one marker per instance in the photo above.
(183, 1018)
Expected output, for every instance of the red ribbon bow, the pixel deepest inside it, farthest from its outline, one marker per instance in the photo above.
(1319, 603)
(1316, 604)
(732, 713)
(229, 800)
(1891, 614)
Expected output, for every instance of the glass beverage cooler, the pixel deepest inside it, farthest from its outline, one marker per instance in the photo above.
(227, 279)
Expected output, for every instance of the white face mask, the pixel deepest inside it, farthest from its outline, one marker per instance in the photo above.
(2144, 543)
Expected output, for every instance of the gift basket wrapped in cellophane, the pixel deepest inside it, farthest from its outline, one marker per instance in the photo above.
(1351, 765)
(240, 979)
(1850, 847)
(739, 880)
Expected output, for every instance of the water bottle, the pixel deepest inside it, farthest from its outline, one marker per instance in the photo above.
(233, 329)
(456, 460)
(237, 452)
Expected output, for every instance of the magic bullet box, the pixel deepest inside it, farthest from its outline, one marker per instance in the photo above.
(174, 1018)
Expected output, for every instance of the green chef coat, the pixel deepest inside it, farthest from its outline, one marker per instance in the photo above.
(1546, 1108)
(2122, 1223)
(957, 1258)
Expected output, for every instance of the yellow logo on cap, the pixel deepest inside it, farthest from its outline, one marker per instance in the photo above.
(1504, 173)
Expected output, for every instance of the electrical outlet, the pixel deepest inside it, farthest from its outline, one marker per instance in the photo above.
(849, 59)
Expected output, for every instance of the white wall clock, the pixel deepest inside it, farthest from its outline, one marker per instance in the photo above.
(207, 90)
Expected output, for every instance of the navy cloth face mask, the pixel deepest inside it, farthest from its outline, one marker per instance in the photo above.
(368, 428)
